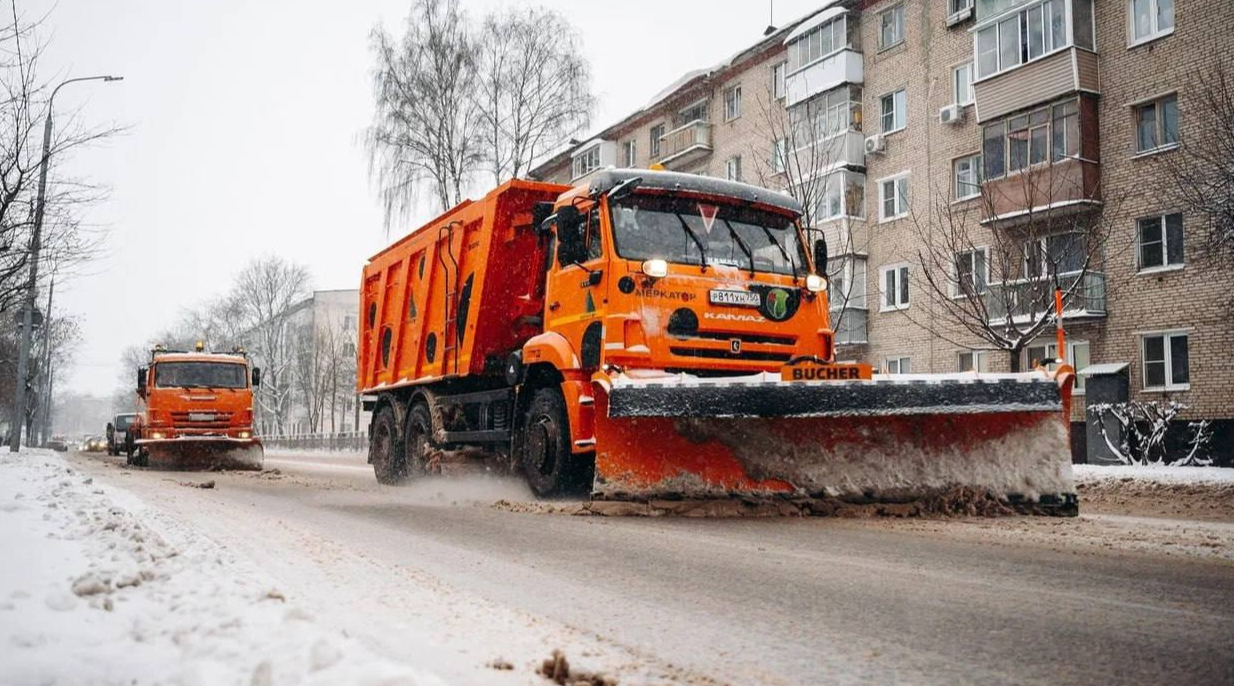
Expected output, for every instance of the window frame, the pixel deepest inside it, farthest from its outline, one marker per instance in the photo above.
(656, 136)
(1155, 32)
(1162, 221)
(1072, 345)
(584, 156)
(779, 80)
(902, 201)
(979, 358)
(955, 83)
(956, 6)
(984, 283)
(897, 14)
(731, 165)
(1057, 116)
(900, 361)
(629, 151)
(901, 291)
(976, 163)
(732, 103)
(899, 111)
(803, 42)
(1157, 105)
(1020, 15)
(1168, 360)
(779, 156)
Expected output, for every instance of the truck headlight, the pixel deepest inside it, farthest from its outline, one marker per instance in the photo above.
(156, 435)
(656, 269)
(816, 283)
(244, 434)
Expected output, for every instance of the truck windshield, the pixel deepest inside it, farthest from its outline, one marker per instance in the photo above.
(122, 421)
(199, 374)
(688, 231)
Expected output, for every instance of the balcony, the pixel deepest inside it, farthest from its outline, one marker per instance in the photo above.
(840, 67)
(1029, 299)
(849, 326)
(1042, 193)
(686, 144)
(1069, 70)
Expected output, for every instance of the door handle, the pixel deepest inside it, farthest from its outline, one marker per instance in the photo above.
(553, 307)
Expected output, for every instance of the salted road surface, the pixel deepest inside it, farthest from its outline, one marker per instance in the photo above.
(439, 574)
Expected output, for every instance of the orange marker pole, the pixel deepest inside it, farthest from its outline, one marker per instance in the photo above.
(1058, 322)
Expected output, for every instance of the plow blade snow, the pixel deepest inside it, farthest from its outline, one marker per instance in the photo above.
(897, 439)
(202, 454)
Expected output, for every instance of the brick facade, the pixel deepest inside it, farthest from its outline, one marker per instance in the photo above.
(1194, 298)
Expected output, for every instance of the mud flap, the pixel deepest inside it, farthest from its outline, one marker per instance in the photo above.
(203, 454)
(895, 439)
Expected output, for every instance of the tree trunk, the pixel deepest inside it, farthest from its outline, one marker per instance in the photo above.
(1014, 360)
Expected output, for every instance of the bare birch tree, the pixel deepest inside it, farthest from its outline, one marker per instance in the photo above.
(426, 131)
(533, 89)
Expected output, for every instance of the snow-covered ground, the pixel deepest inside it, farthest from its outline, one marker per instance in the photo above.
(97, 588)
(1157, 473)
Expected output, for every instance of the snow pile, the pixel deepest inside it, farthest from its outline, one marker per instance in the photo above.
(96, 588)
(1157, 473)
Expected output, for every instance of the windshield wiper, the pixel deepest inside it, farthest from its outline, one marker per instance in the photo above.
(787, 258)
(745, 248)
(702, 249)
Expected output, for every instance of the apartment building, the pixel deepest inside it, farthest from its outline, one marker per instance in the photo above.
(963, 158)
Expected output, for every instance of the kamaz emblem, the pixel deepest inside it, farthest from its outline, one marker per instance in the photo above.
(734, 346)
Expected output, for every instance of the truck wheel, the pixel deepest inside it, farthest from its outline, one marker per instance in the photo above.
(551, 469)
(419, 441)
(385, 449)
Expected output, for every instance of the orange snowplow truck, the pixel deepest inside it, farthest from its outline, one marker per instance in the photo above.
(195, 411)
(654, 335)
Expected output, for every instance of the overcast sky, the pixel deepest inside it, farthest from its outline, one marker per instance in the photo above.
(245, 123)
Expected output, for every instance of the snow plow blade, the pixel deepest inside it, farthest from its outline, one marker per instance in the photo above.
(202, 453)
(895, 439)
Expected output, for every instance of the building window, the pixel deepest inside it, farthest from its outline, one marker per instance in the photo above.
(897, 365)
(778, 86)
(847, 283)
(894, 281)
(693, 113)
(893, 197)
(1060, 254)
(1160, 241)
(732, 103)
(968, 177)
(586, 162)
(842, 194)
(829, 114)
(1150, 19)
(974, 360)
(628, 153)
(1166, 364)
(955, 6)
(732, 168)
(891, 27)
(972, 272)
(349, 323)
(962, 84)
(1077, 356)
(1022, 37)
(817, 43)
(779, 156)
(894, 110)
(1049, 134)
(657, 133)
(1156, 124)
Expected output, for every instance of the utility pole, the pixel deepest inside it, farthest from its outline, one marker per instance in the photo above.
(36, 243)
(43, 416)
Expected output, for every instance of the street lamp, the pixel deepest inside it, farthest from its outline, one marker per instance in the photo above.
(36, 243)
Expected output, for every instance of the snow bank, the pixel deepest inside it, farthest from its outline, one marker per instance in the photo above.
(97, 588)
(1157, 473)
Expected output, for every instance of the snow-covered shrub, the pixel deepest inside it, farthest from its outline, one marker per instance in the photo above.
(1143, 426)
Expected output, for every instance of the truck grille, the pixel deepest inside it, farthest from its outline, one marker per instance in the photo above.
(720, 354)
(743, 337)
(202, 419)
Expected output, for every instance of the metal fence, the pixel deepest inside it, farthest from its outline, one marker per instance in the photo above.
(346, 441)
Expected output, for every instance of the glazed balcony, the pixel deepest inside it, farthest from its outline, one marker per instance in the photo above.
(1028, 299)
(840, 67)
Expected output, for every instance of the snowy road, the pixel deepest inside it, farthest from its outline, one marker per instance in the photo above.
(436, 575)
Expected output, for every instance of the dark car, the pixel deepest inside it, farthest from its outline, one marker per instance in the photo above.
(116, 430)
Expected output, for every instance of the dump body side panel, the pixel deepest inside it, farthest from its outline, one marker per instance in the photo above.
(456, 296)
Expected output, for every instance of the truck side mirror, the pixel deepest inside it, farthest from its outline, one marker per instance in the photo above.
(624, 188)
(571, 238)
(141, 379)
(256, 377)
(820, 257)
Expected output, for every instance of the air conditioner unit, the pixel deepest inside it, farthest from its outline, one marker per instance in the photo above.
(876, 144)
(960, 16)
(951, 114)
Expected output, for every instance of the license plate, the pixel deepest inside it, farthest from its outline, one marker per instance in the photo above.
(736, 298)
(814, 371)
(200, 417)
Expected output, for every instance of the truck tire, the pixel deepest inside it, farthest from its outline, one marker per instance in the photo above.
(419, 442)
(552, 470)
(385, 449)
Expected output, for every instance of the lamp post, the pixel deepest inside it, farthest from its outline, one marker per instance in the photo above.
(36, 243)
